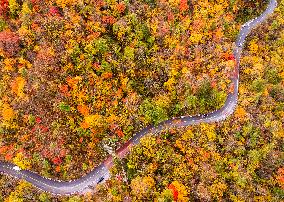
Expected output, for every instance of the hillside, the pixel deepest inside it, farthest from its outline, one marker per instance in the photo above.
(80, 78)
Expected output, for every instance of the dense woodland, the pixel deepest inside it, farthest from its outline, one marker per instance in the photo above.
(79, 76)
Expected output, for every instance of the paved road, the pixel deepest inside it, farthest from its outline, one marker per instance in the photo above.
(101, 173)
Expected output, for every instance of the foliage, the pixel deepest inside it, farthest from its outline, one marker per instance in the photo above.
(76, 76)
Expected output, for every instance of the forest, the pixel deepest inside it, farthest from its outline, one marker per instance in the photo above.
(80, 78)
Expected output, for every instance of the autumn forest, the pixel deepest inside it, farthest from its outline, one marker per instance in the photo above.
(78, 78)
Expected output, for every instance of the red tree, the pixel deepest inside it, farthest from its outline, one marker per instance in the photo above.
(9, 42)
(174, 191)
(3, 7)
(183, 5)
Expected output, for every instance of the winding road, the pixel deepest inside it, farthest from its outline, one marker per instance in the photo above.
(101, 173)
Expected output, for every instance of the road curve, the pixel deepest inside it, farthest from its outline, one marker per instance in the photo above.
(101, 173)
